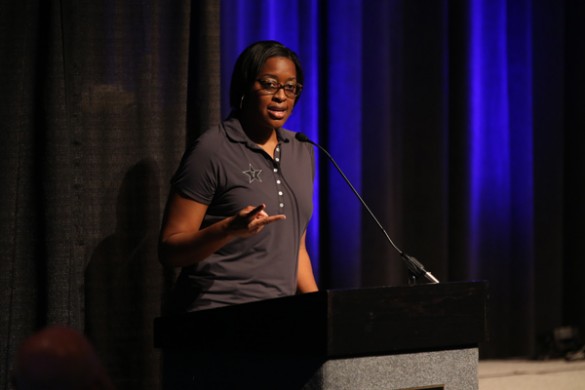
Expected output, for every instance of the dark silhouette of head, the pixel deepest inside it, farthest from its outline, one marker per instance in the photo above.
(58, 357)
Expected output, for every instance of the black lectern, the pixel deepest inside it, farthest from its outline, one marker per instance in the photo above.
(407, 337)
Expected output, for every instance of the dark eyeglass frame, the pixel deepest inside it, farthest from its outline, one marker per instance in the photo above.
(273, 86)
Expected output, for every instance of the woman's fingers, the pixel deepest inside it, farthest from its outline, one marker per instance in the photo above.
(252, 220)
(262, 221)
(255, 211)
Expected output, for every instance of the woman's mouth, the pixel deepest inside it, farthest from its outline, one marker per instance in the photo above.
(277, 113)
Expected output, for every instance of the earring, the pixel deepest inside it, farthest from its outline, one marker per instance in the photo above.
(242, 102)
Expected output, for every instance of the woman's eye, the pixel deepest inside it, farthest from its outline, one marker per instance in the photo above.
(269, 84)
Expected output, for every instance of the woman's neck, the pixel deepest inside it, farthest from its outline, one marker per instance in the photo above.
(264, 137)
(257, 134)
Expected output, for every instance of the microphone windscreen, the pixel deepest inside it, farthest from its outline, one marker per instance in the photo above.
(301, 137)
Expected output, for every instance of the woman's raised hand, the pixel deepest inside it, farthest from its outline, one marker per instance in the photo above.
(251, 220)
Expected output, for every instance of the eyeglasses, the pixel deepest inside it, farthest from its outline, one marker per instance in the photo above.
(291, 90)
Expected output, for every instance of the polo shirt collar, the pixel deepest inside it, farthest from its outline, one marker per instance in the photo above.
(235, 132)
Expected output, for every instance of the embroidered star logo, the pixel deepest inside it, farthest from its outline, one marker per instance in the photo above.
(253, 174)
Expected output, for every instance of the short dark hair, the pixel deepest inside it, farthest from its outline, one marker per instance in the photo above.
(248, 66)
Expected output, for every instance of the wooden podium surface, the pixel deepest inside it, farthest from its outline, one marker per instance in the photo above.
(337, 323)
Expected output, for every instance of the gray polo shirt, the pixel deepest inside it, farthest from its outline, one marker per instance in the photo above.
(227, 172)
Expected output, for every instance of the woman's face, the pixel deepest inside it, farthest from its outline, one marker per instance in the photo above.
(264, 107)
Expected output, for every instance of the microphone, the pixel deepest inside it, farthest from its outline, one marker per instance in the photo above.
(414, 266)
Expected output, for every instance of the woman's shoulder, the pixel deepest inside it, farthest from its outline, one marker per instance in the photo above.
(212, 135)
(208, 142)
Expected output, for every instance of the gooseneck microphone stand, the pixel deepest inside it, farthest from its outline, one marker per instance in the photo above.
(415, 268)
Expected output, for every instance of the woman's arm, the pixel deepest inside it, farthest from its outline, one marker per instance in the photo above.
(305, 279)
(183, 243)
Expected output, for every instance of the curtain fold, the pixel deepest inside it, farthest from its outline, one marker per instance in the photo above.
(574, 288)
(19, 274)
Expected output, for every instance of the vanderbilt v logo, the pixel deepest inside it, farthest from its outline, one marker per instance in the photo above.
(253, 174)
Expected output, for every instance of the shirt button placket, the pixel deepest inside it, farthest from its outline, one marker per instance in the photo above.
(277, 176)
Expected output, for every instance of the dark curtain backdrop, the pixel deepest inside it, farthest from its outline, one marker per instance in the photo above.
(460, 122)
(96, 97)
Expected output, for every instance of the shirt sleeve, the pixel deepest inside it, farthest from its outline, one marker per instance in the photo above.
(196, 177)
